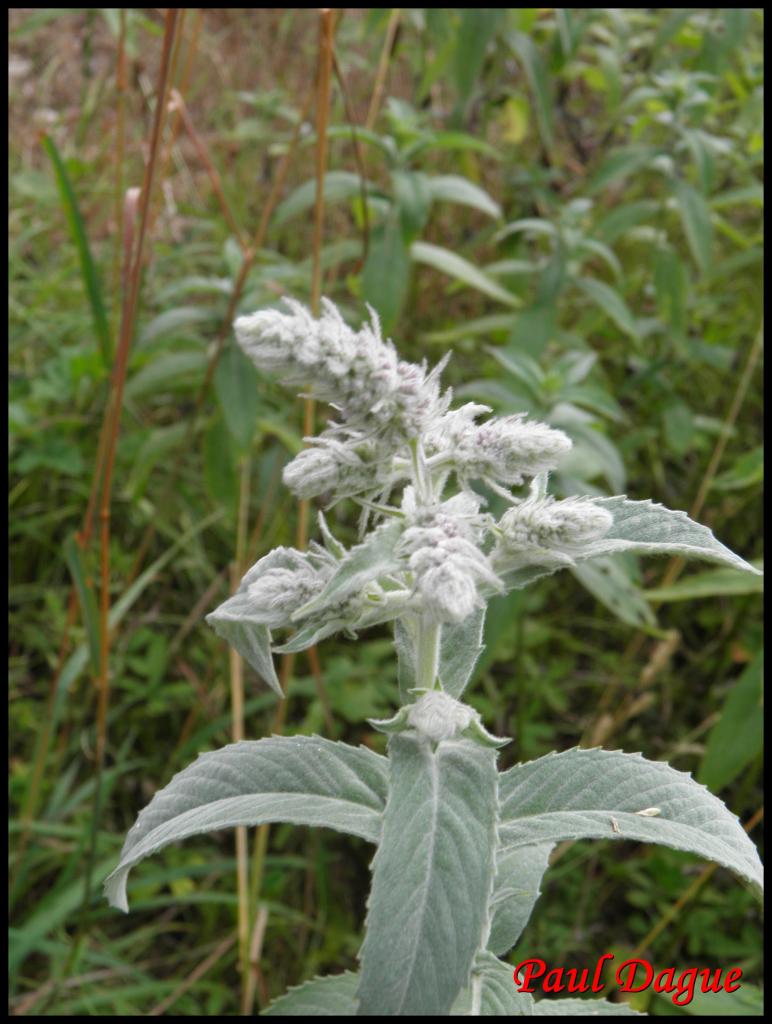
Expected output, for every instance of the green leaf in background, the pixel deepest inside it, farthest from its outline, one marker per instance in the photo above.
(180, 322)
(538, 79)
(514, 119)
(413, 196)
(452, 188)
(88, 606)
(747, 1001)
(235, 383)
(599, 794)
(620, 164)
(168, 371)
(737, 737)
(305, 780)
(386, 274)
(671, 286)
(533, 329)
(713, 583)
(440, 872)
(220, 471)
(678, 424)
(695, 217)
(747, 471)
(477, 28)
(87, 268)
(611, 302)
(462, 270)
(338, 186)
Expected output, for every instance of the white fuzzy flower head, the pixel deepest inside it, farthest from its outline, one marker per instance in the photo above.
(356, 371)
(281, 583)
(499, 450)
(339, 468)
(437, 716)
(443, 554)
(560, 525)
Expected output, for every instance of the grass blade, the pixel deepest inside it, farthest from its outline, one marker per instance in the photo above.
(87, 268)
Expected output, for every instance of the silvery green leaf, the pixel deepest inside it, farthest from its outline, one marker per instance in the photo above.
(333, 545)
(639, 526)
(523, 575)
(460, 647)
(366, 562)
(519, 872)
(333, 996)
(583, 1008)
(492, 992)
(383, 608)
(305, 780)
(405, 639)
(309, 634)
(235, 621)
(648, 528)
(432, 876)
(605, 794)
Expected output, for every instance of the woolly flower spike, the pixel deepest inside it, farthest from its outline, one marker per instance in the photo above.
(445, 560)
(336, 468)
(497, 451)
(543, 523)
(356, 371)
(284, 581)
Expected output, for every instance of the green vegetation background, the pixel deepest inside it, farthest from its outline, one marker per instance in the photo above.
(570, 200)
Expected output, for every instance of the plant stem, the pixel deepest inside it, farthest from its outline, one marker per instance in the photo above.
(427, 653)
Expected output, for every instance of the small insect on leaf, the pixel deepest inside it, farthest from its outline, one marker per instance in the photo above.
(649, 812)
(615, 826)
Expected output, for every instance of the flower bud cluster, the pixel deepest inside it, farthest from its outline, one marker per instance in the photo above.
(443, 553)
(284, 581)
(356, 371)
(438, 716)
(338, 468)
(503, 450)
(539, 524)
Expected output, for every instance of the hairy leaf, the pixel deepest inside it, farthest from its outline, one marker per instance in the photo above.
(366, 562)
(305, 780)
(583, 1008)
(492, 992)
(432, 876)
(460, 647)
(599, 794)
(405, 639)
(648, 528)
(235, 622)
(518, 877)
(334, 996)
(639, 526)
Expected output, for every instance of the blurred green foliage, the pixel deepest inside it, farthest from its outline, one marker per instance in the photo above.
(570, 199)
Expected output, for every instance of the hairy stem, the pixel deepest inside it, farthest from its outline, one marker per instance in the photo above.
(427, 653)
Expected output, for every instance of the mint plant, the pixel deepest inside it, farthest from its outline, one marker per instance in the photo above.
(460, 847)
